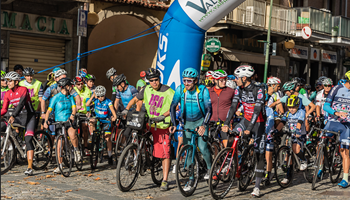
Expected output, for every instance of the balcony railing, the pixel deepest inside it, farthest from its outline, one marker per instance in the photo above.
(283, 19)
(341, 26)
(318, 20)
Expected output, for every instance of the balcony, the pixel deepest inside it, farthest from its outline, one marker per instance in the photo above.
(341, 27)
(320, 21)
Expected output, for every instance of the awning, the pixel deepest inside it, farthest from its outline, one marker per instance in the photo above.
(249, 57)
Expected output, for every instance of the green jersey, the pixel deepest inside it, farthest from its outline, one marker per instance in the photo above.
(33, 89)
(85, 95)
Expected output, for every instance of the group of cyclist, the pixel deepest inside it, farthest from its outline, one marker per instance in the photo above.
(262, 110)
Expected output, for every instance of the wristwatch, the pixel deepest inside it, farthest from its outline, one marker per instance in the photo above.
(42, 112)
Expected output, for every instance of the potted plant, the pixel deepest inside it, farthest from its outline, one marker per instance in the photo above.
(335, 31)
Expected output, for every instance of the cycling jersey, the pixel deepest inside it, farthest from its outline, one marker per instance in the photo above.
(196, 104)
(54, 89)
(34, 87)
(85, 94)
(270, 121)
(102, 109)
(63, 106)
(93, 89)
(19, 98)
(313, 96)
(126, 95)
(338, 100)
(275, 97)
(303, 101)
(3, 91)
(252, 98)
(221, 103)
(303, 92)
(140, 84)
(320, 100)
(293, 119)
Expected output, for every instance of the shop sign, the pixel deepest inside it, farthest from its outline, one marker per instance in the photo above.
(213, 45)
(329, 56)
(206, 60)
(315, 54)
(299, 52)
(33, 23)
(346, 62)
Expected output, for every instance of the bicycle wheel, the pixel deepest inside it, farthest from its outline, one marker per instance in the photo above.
(64, 152)
(120, 144)
(214, 149)
(128, 168)
(156, 164)
(283, 170)
(192, 171)
(310, 155)
(319, 160)
(222, 174)
(8, 159)
(95, 150)
(79, 165)
(247, 165)
(42, 150)
(335, 163)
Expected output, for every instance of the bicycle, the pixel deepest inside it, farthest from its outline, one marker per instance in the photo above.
(328, 151)
(214, 133)
(120, 141)
(11, 143)
(66, 150)
(80, 118)
(285, 156)
(136, 158)
(237, 162)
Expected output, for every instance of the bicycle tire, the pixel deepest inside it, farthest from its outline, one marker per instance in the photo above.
(42, 140)
(214, 149)
(155, 164)
(194, 167)
(95, 150)
(119, 147)
(128, 154)
(12, 155)
(335, 162)
(247, 167)
(79, 165)
(319, 158)
(282, 151)
(66, 155)
(311, 158)
(217, 165)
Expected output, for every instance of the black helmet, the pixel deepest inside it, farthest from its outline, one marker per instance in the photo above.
(64, 82)
(28, 72)
(17, 67)
(119, 79)
(307, 86)
(152, 73)
(91, 77)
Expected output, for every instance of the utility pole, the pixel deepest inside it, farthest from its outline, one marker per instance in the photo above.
(268, 42)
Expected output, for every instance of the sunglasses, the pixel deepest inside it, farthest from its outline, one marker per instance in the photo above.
(153, 80)
(327, 85)
(78, 84)
(222, 80)
(99, 96)
(8, 80)
(188, 81)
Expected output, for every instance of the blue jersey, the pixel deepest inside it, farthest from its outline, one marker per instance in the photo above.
(127, 95)
(102, 110)
(338, 100)
(270, 121)
(53, 90)
(63, 106)
(293, 119)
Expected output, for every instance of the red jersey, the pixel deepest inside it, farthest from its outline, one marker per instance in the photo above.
(20, 99)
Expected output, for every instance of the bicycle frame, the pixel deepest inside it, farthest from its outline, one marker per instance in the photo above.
(234, 147)
(9, 133)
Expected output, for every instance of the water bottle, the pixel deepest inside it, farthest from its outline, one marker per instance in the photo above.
(98, 125)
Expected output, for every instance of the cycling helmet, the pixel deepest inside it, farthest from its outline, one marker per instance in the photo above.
(55, 69)
(63, 82)
(231, 77)
(290, 85)
(152, 73)
(17, 67)
(142, 74)
(209, 73)
(341, 82)
(13, 76)
(78, 79)
(347, 76)
(273, 81)
(327, 81)
(119, 79)
(244, 71)
(292, 101)
(218, 74)
(82, 72)
(231, 84)
(299, 81)
(190, 73)
(60, 73)
(91, 77)
(111, 72)
(208, 83)
(321, 78)
(307, 87)
(28, 72)
(3, 74)
(100, 91)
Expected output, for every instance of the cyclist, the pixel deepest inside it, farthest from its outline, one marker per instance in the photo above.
(341, 82)
(4, 87)
(23, 114)
(338, 108)
(91, 82)
(318, 87)
(19, 69)
(157, 98)
(231, 82)
(124, 91)
(63, 105)
(33, 86)
(83, 73)
(85, 94)
(308, 89)
(275, 93)
(196, 111)
(209, 76)
(300, 82)
(103, 109)
(141, 82)
(111, 74)
(321, 97)
(208, 83)
(50, 80)
(221, 98)
(253, 99)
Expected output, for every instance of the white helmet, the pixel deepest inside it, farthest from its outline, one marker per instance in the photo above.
(60, 72)
(209, 73)
(244, 71)
(219, 74)
(231, 84)
(13, 76)
(111, 72)
(100, 91)
(273, 81)
(327, 81)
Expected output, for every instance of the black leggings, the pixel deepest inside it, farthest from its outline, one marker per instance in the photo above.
(29, 122)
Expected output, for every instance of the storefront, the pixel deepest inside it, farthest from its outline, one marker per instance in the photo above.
(298, 62)
(329, 64)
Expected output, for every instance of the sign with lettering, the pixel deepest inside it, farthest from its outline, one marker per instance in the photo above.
(329, 56)
(315, 54)
(23, 22)
(299, 52)
(82, 23)
(213, 45)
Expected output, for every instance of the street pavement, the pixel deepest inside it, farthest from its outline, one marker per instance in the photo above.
(101, 184)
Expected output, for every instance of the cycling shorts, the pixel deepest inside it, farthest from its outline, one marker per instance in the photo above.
(344, 129)
(300, 142)
(161, 143)
(179, 133)
(270, 145)
(27, 120)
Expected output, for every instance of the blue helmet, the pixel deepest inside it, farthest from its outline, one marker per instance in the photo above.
(341, 82)
(190, 73)
(55, 69)
(231, 77)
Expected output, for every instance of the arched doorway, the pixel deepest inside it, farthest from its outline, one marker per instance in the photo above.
(128, 58)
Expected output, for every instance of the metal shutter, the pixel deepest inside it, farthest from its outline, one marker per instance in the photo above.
(36, 52)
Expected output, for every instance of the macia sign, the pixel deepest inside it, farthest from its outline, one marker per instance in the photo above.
(36, 23)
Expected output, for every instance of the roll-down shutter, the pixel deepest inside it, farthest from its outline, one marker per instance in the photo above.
(36, 52)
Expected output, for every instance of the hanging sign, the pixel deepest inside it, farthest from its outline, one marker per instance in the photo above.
(306, 32)
(206, 60)
(213, 45)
